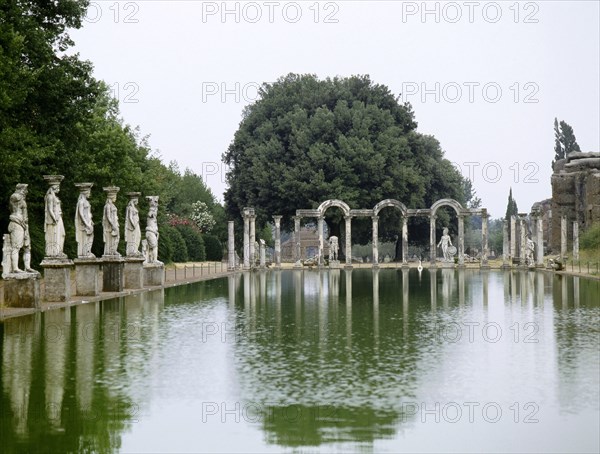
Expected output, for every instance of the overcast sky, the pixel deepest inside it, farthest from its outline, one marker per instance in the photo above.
(485, 78)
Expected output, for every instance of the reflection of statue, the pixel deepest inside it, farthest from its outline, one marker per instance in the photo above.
(18, 235)
(333, 248)
(133, 234)
(152, 230)
(54, 227)
(445, 242)
(529, 252)
(84, 227)
(110, 222)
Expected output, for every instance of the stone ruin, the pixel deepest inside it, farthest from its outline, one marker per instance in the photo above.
(575, 194)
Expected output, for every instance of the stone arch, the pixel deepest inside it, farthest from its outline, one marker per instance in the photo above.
(333, 203)
(390, 203)
(447, 202)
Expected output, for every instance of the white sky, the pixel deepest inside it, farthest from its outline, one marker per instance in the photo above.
(183, 71)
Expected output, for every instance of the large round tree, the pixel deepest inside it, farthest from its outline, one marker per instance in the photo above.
(307, 140)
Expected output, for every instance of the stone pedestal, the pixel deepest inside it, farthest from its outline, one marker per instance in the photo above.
(133, 273)
(154, 274)
(446, 265)
(334, 264)
(87, 277)
(22, 290)
(57, 279)
(113, 273)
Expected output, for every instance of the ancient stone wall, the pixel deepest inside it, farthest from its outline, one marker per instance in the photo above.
(575, 194)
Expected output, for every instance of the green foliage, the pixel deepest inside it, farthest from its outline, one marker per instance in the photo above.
(496, 235)
(511, 207)
(308, 140)
(590, 239)
(564, 140)
(214, 248)
(173, 237)
(194, 242)
(55, 118)
(266, 233)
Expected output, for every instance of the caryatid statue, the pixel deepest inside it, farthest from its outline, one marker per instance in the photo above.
(84, 226)
(133, 234)
(110, 222)
(333, 248)
(54, 227)
(152, 230)
(18, 235)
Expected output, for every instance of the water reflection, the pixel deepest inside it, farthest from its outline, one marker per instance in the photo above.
(333, 385)
(60, 384)
(340, 356)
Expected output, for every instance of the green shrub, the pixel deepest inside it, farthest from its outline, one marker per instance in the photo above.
(194, 242)
(591, 238)
(214, 248)
(178, 250)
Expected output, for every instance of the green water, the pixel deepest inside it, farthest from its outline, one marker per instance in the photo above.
(305, 361)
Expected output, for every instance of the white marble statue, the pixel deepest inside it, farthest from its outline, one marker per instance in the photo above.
(84, 226)
(133, 234)
(54, 227)
(110, 222)
(529, 251)
(445, 243)
(18, 235)
(152, 230)
(333, 248)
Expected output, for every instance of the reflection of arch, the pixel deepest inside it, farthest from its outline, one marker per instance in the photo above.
(333, 203)
(390, 203)
(446, 202)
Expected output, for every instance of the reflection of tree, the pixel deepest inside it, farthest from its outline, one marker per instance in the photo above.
(57, 393)
(361, 385)
(299, 425)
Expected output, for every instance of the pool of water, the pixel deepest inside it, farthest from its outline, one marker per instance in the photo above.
(307, 361)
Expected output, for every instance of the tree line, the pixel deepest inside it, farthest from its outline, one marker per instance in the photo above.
(56, 118)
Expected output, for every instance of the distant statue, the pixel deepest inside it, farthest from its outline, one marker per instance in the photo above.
(84, 227)
(530, 249)
(333, 248)
(445, 243)
(133, 234)
(18, 235)
(53, 225)
(110, 222)
(152, 230)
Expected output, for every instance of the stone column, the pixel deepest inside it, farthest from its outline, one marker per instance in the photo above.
(461, 240)
(252, 239)
(348, 241)
(540, 241)
(432, 243)
(513, 236)
(522, 252)
(246, 215)
(484, 238)
(404, 241)
(505, 244)
(297, 252)
(320, 232)
(263, 258)
(230, 246)
(375, 241)
(575, 240)
(563, 237)
(277, 220)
